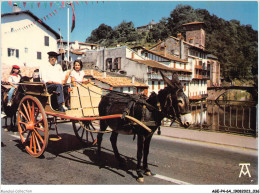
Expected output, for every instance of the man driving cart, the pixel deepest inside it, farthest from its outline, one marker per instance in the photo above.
(51, 74)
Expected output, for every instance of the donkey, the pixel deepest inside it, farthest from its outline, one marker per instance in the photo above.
(10, 111)
(171, 102)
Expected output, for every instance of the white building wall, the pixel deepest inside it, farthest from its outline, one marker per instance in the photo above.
(31, 38)
(132, 54)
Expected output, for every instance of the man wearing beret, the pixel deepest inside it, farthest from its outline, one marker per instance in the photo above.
(52, 75)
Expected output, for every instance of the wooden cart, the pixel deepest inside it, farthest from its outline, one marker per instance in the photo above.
(36, 115)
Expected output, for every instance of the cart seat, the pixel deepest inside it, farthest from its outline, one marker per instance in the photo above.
(35, 88)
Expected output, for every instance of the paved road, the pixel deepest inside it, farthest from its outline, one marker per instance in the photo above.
(173, 161)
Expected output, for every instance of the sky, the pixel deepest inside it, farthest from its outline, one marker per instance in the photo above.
(90, 14)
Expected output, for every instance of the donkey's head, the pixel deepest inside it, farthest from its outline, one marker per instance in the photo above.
(176, 103)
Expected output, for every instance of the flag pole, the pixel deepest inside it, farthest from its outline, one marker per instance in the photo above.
(68, 43)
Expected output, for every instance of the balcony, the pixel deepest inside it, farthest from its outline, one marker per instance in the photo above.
(198, 67)
(197, 76)
(158, 76)
(185, 77)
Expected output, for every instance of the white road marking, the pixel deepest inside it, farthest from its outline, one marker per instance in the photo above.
(16, 136)
(171, 180)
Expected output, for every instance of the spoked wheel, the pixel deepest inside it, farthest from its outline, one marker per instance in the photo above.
(82, 130)
(33, 126)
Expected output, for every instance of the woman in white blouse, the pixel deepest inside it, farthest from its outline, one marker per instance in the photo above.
(77, 73)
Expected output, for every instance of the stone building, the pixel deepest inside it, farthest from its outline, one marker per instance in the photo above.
(146, 27)
(215, 79)
(194, 65)
(205, 68)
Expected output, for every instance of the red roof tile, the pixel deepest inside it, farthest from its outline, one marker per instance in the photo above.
(120, 82)
(114, 81)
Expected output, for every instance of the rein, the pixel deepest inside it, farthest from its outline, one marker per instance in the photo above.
(134, 100)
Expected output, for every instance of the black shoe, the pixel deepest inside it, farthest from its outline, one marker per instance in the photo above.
(61, 109)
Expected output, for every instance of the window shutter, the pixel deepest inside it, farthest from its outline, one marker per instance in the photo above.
(9, 52)
(17, 53)
(39, 55)
(46, 40)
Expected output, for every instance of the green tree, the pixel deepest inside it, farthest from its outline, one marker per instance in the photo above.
(125, 32)
(158, 32)
(100, 34)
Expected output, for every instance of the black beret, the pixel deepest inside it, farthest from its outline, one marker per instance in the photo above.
(52, 53)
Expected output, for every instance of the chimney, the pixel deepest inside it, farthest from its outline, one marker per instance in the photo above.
(133, 79)
(16, 8)
(179, 36)
(104, 74)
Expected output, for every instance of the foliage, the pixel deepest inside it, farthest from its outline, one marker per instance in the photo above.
(235, 45)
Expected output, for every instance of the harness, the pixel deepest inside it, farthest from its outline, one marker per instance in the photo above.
(132, 100)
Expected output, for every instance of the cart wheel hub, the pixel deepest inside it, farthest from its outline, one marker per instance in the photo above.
(30, 126)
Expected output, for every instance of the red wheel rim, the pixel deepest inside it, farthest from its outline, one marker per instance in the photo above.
(33, 126)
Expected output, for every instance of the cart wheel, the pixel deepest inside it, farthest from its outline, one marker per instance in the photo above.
(33, 126)
(81, 131)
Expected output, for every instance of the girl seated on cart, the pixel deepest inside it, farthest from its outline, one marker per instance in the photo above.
(13, 80)
(76, 75)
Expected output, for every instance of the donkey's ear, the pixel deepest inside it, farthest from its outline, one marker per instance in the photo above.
(167, 80)
(175, 78)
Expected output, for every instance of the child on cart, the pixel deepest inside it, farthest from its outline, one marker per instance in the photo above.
(13, 80)
(77, 73)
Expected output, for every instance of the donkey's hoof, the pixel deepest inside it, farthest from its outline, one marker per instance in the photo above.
(140, 179)
(6, 130)
(148, 172)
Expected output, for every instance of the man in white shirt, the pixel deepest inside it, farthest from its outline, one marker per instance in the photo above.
(52, 76)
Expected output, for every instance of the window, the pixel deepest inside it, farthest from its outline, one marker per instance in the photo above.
(117, 63)
(26, 50)
(152, 85)
(121, 89)
(39, 55)
(10, 52)
(12, 29)
(13, 52)
(109, 64)
(129, 89)
(46, 40)
(159, 85)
